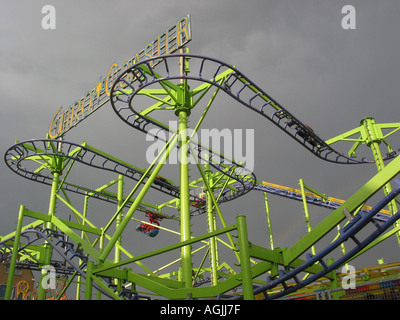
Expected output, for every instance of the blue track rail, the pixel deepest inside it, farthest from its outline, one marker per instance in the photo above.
(351, 231)
(241, 89)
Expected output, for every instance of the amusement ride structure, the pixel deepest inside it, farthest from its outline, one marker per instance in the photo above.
(146, 95)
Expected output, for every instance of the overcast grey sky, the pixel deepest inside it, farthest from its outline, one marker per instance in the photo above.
(297, 51)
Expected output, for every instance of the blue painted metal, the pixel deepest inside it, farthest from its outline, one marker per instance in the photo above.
(328, 204)
(241, 89)
(354, 226)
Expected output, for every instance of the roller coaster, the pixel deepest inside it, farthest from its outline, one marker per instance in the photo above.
(146, 96)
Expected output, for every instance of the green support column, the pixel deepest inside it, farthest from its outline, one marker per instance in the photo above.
(186, 251)
(14, 256)
(79, 278)
(352, 204)
(271, 238)
(182, 110)
(47, 248)
(211, 227)
(89, 281)
(306, 212)
(120, 196)
(127, 218)
(245, 258)
(334, 282)
(374, 137)
(371, 134)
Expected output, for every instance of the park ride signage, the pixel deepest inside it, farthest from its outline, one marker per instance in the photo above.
(169, 41)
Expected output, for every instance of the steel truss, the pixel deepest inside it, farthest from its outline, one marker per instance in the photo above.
(221, 178)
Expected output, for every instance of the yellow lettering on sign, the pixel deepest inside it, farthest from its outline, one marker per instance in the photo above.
(170, 41)
(156, 45)
(161, 44)
(137, 58)
(53, 125)
(73, 112)
(182, 28)
(64, 119)
(175, 37)
(88, 105)
(98, 88)
(147, 49)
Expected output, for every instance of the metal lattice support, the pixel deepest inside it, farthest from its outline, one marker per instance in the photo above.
(135, 79)
(349, 232)
(102, 265)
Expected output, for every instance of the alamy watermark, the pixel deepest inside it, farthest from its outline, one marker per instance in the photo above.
(48, 277)
(236, 144)
(349, 20)
(49, 20)
(349, 280)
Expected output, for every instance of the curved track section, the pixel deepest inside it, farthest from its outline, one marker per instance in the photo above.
(236, 85)
(351, 231)
(73, 256)
(314, 200)
(143, 75)
(45, 151)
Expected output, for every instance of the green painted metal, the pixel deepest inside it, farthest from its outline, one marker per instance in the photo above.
(212, 226)
(245, 259)
(108, 247)
(13, 260)
(52, 211)
(371, 134)
(137, 201)
(178, 289)
(306, 212)
(352, 204)
(269, 225)
(186, 255)
(89, 281)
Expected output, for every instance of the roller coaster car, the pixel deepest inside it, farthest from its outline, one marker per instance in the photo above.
(162, 182)
(306, 136)
(153, 216)
(198, 203)
(148, 230)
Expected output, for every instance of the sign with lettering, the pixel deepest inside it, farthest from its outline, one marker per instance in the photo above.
(169, 41)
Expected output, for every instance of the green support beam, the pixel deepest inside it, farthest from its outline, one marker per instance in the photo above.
(186, 254)
(14, 256)
(371, 134)
(46, 259)
(352, 204)
(245, 258)
(127, 218)
(181, 99)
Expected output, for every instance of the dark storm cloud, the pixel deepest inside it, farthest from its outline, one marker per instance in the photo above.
(297, 51)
